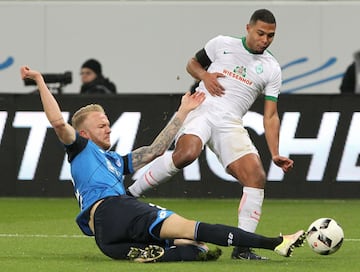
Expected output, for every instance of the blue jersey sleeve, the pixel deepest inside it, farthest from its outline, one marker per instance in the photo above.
(128, 166)
(76, 147)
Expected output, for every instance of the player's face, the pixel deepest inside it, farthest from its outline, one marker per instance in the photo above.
(260, 36)
(96, 127)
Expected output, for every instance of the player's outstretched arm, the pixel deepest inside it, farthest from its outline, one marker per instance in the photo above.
(146, 154)
(65, 132)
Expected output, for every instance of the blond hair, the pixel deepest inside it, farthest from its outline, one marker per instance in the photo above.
(81, 114)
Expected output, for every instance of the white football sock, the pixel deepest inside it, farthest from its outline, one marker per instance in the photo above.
(250, 208)
(160, 171)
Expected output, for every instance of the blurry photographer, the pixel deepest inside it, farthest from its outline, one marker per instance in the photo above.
(93, 81)
(351, 81)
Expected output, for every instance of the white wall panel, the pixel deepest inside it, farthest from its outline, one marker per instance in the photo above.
(144, 45)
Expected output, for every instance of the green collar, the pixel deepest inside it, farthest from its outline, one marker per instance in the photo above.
(243, 39)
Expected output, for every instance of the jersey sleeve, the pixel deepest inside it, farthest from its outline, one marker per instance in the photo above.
(128, 166)
(203, 58)
(212, 46)
(272, 89)
(76, 147)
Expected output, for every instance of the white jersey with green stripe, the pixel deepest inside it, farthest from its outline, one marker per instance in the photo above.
(247, 75)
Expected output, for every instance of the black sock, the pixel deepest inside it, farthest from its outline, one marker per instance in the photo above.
(223, 235)
(181, 253)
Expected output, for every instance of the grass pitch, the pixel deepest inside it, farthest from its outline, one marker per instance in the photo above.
(41, 235)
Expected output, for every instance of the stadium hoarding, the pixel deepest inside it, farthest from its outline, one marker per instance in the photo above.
(320, 132)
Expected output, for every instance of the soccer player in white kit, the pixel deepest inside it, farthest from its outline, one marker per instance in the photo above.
(233, 72)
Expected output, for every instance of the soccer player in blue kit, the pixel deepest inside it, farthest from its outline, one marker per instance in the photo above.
(123, 226)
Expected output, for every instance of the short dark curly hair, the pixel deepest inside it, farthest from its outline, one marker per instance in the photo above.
(263, 15)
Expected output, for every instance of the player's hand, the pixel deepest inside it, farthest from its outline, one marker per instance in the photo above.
(212, 84)
(191, 101)
(26, 72)
(284, 163)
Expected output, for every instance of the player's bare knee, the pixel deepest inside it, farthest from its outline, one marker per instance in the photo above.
(185, 157)
(259, 180)
(177, 226)
(254, 179)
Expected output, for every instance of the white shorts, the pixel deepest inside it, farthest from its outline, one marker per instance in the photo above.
(225, 135)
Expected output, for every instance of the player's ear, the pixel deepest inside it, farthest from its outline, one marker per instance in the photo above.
(83, 133)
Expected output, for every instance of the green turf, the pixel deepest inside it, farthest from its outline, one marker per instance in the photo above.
(41, 235)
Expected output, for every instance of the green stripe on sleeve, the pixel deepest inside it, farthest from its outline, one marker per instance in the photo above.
(271, 98)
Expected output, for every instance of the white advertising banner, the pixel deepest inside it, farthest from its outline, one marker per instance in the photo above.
(319, 132)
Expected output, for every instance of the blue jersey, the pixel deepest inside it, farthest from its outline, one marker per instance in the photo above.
(96, 174)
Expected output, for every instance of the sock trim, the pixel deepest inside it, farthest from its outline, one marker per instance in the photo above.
(196, 230)
(147, 178)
